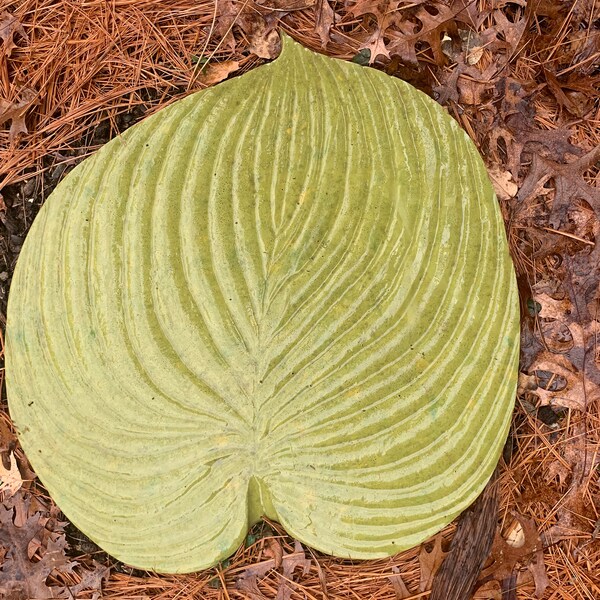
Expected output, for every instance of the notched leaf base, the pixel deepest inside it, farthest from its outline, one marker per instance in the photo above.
(259, 501)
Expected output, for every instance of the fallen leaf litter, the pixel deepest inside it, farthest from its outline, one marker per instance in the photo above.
(530, 109)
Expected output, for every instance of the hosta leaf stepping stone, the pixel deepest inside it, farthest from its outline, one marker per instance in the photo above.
(288, 295)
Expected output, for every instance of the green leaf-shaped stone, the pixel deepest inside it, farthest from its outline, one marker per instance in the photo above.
(287, 295)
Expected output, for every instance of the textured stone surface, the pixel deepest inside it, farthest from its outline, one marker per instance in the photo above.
(288, 295)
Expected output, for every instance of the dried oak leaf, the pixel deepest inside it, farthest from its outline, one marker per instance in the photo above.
(515, 127)
(521, 546)
(257, 22)
(400, 589)
(558, 469)
(576, 394)
(556, 88)
(259, 25)
(556, 336)
(504, 34)
(20, 577)
(474, 86)
(537, 568)
(490, 590)
(10, 479)
(553, 144)
(264, 40)
(430, 561)
(324, 20)
(384, 12)
(466, 84)
(15, 112)
(569, 183)
(289, 566)
(569, 330)
(469, 13)
(90, 580)
(435, 25)
(503, 183)
(274, 550)
(8, 439)
(403, 42)
(436, 22)
(401, 27)
(574, 514)
(226, 15)
(248, 581)
(9, 28)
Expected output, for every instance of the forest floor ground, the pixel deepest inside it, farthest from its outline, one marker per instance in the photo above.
(522, 78)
